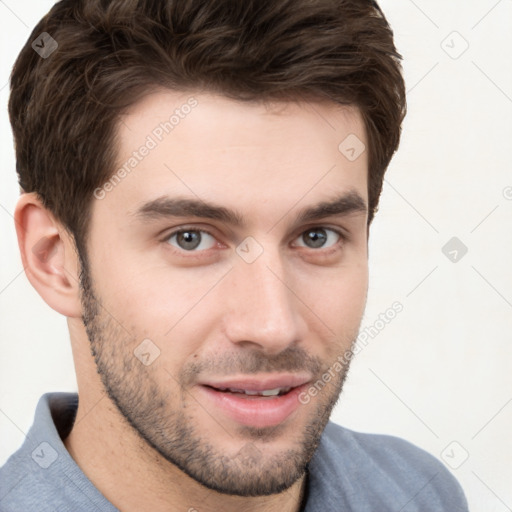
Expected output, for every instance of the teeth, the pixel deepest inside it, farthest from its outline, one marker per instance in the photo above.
(271, 392)
(265, 392)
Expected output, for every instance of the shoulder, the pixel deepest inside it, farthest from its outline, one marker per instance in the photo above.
(41, 475)
(381, 451)
(384, 471)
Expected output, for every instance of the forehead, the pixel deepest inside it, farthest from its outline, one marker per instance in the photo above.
(207, 146)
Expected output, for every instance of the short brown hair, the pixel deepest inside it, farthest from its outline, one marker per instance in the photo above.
(64, 109)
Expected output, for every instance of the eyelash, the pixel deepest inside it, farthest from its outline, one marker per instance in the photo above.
(194, 253)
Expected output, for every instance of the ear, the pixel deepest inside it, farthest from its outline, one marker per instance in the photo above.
(48, 255)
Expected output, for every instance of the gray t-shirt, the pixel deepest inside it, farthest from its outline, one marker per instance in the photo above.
(350, 472)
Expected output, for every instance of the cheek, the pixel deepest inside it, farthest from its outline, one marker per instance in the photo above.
(144, 286)
(339, 298)
(170, 307)
(354, 290)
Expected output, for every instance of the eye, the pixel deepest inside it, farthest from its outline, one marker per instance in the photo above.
(320, 238)
(191, 239)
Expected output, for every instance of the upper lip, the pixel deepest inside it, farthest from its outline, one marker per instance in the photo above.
(259, 383)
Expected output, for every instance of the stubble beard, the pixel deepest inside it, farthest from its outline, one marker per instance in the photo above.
(170, 427)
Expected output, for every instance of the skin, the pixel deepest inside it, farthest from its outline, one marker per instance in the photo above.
(145, 435)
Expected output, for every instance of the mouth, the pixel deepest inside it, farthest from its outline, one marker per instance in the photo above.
(258, 402)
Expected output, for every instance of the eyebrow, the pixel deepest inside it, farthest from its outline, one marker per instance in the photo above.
(165, 206)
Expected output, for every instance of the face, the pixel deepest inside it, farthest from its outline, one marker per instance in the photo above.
(227, 273)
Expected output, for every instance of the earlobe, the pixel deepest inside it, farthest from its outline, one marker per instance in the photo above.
(48, 255)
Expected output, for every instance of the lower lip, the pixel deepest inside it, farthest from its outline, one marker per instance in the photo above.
(255, 411)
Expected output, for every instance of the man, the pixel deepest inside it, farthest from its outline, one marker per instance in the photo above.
(198, 180)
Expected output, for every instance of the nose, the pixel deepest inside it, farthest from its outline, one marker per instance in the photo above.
(263, 310)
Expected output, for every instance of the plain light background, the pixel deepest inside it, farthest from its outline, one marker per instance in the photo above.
(440, 373)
